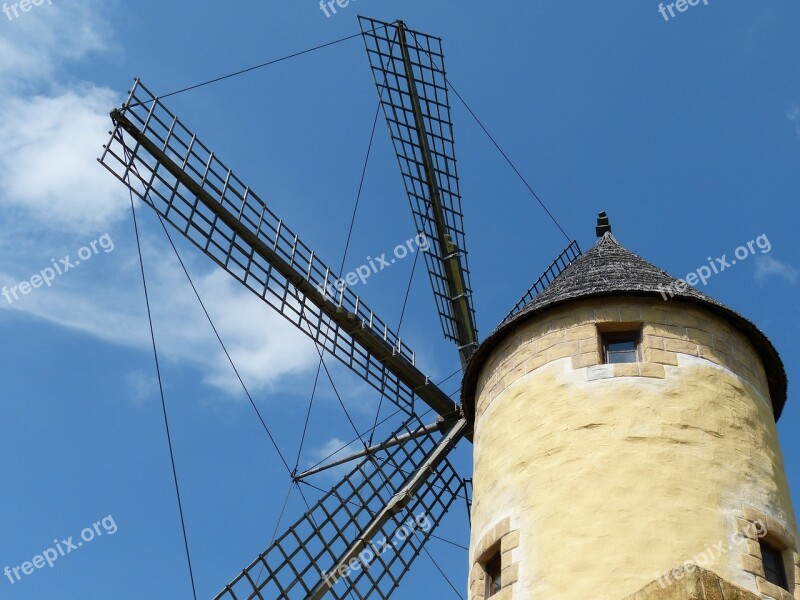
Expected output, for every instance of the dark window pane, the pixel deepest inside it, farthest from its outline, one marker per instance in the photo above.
(620, 346)
(774, 568)
(622, 357)
(493, 580)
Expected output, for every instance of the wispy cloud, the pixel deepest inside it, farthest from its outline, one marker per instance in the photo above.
(48, 146)
(51, 125)
(55, 197)
(143, 386)
(335, 448)
(794, 117)
(767, 266)
(105, 301)
(37, 47)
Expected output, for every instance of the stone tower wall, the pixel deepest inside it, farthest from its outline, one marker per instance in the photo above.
(592, 480)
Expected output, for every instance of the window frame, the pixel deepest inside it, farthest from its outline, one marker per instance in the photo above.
(628, 335)
(493, 574)
(769, 548)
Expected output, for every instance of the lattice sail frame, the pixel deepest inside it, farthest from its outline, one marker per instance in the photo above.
(568, 256)
(167, 166)
(300, 562)
(386, 44)
(171, 170)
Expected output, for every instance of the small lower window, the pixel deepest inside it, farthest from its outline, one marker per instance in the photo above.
(622, 347)
(493, 569)
(774, 567)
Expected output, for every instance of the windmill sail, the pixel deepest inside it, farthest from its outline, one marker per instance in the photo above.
(361, 538)
(408, 67)
(169, 168)
(569, 255)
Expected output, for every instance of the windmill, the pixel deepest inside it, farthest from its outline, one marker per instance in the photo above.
(332, 550)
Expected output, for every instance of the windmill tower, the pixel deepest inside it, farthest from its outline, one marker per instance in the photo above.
(616, 434)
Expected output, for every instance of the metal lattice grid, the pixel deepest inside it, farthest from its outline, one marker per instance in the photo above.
(414, 147)
(173, 172)
(566, 258)
(299, 563)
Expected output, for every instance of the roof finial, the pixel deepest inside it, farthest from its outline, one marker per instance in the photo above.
(603, 226)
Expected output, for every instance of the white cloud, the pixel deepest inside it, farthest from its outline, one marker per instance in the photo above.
(36, 45)
(335, 448)
(52, 131)
(263, 345)
(110, 306)
(55, 197)
(48, 147)
(794, 117)
(767, 266)
(143, 386)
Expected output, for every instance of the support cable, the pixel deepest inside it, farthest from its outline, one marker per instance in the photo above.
(277, 525)
(219, 338)
(280, 516)
(338, 397)
(508, 160)
(372, 429)
(253, 68)
(308, 419)
(311, 516)
(341, 268)
(441, 571)
(355, 504)
(163, 401)
(346, 446)
(502, 152)
(408, 292)
(399, 325)
(225, 349)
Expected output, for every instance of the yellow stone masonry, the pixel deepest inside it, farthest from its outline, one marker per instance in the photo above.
(608, 476)
(668, 329)
(505, 540)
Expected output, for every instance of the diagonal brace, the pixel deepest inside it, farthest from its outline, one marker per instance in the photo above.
(395, 505)
(390, 443)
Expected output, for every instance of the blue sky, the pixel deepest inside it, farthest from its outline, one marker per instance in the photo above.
(686, 131)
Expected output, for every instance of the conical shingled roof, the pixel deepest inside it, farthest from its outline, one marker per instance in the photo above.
(609, 269)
